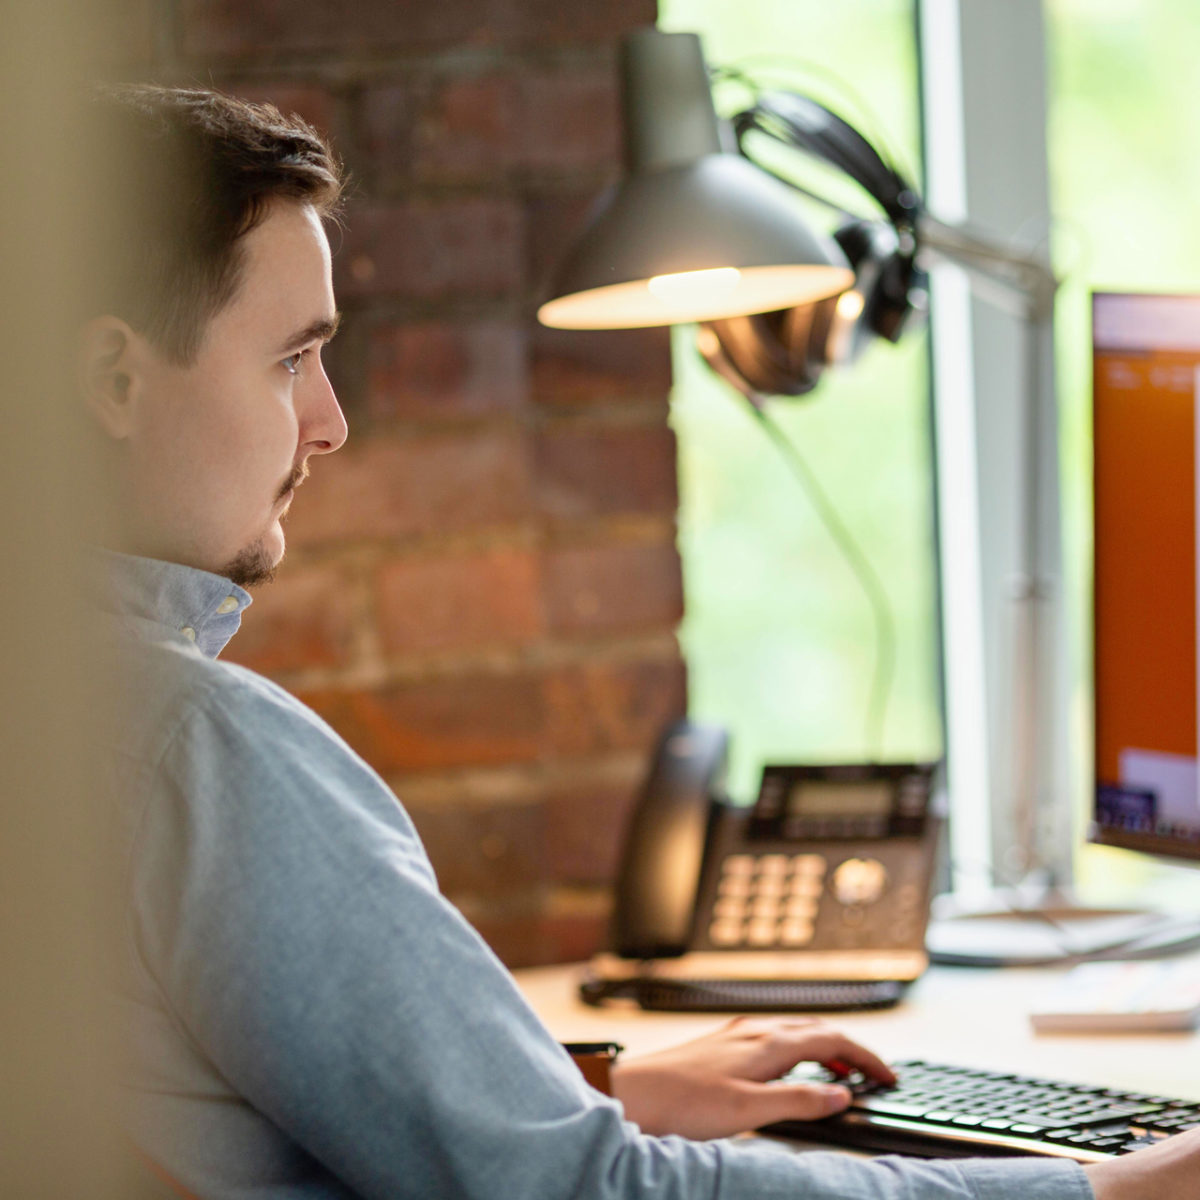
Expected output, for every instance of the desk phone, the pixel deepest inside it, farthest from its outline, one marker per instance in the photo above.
(824, 881)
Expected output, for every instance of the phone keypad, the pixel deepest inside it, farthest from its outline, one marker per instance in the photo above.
(767, 900)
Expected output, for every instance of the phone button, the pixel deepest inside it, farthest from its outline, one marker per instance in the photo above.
(763, 933)
(738, 864)
(808, 864)
(725, 933)
(796, 933)
(806, 887)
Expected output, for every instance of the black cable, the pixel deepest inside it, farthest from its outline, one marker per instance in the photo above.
(864, 572)
(790, 75)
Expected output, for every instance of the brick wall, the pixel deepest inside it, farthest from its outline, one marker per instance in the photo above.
(482, 587)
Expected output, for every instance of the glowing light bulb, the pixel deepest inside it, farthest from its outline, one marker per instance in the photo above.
(695, 289)
(849, 305)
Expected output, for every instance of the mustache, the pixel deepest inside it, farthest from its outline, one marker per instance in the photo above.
(296, 477)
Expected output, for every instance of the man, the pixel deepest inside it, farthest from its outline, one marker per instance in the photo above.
(306, 1016)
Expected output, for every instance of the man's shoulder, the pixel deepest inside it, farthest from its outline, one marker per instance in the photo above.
(168, 687)
(218, 739)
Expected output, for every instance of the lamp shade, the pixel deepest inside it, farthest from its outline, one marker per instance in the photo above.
(691, 233)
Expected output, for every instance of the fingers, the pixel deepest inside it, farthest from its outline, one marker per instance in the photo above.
(796, 1102)
(836, 1051)
(813, 1041)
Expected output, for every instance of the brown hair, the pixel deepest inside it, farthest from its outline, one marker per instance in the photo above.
(189, 173)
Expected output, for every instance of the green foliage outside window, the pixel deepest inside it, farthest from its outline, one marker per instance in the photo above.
(778, 635)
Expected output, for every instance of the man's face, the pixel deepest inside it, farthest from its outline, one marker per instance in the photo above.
(216, 449)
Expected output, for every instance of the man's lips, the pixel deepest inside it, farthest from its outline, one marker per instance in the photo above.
(298, 476)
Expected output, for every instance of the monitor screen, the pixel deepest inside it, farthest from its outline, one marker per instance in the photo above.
(1146, 490)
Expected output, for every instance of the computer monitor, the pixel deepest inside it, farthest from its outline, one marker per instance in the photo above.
(1146, 488)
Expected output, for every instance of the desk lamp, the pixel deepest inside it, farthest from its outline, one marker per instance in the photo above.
(693, 232)
(698, 232)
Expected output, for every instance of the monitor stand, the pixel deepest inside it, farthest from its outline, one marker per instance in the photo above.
(1013, 929)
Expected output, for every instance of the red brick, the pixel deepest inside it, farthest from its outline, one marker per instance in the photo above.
(518, 938)
(571, 367)
(476, 126)
(588, 471)
(432, 249)
(473, 720)
(523, 936)
(304, 619)
(572, 937)
(467, 128)
(551, 22)
(269, 28)
(593, 708)
(389, 487)
(555, 220)
(309, 101)
(570, 120)
(460, 602)
(606, 589)
(585, 828)
(445, 369)
(388, 114)
(479, 851)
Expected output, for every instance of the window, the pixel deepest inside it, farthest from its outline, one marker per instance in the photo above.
(778, 634)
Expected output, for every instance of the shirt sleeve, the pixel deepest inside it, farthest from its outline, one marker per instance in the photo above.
(289, 916)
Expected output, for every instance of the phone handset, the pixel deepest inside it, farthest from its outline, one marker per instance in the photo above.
(665, 844)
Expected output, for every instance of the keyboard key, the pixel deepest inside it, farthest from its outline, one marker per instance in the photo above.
(888, 1107)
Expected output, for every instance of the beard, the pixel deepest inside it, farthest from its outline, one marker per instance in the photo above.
(255, 565)
(252, 567)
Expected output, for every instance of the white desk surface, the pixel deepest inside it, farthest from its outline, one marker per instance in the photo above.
(968, 1016)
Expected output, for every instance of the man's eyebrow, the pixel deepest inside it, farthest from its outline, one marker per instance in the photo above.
(321, 330)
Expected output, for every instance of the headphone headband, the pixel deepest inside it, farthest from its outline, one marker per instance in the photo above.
(785, 353)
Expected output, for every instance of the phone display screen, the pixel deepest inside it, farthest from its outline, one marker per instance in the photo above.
(814, 802)
(817, 798)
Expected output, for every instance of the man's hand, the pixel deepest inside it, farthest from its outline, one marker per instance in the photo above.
(1168, 1171)
(727, 1081)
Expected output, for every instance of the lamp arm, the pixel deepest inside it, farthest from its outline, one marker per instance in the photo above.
(1011, 279)
(1003, 270)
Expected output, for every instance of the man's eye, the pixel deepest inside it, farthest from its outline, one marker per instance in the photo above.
(294, 363)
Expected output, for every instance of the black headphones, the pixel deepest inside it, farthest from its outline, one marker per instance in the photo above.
(784, 353)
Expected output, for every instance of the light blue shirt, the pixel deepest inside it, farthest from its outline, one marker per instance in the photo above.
(308, 1017)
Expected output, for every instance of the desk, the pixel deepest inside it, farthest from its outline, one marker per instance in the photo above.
(951, 1014)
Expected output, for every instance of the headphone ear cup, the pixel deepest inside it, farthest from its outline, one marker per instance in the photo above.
(886, 279)
(901, 296)
(892, 286)
(778, 353)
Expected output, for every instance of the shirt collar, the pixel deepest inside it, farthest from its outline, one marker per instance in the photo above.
(197, 605)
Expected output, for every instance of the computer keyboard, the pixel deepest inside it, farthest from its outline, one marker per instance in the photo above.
(938, 1111)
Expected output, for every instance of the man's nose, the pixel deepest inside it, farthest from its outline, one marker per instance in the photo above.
(323, 426)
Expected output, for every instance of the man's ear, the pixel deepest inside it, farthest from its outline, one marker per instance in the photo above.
(108, 374)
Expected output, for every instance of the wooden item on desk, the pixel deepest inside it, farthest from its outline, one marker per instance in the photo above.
(770, 964)
(595, 1060)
